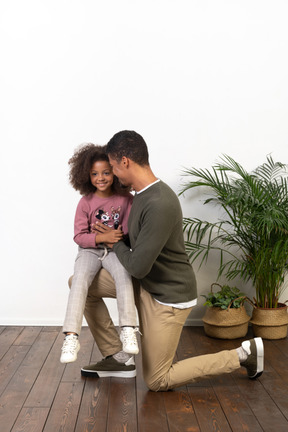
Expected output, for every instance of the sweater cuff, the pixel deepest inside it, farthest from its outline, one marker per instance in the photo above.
(119, 246)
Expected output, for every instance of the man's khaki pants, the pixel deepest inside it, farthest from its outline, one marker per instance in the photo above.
(161, 327)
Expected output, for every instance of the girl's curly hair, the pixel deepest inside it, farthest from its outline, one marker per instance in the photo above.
(80, 165)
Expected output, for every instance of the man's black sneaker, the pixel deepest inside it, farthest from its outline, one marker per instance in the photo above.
(109, 367)
(255, 361)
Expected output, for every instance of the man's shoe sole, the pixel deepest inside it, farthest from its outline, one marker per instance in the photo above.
(105, 374)
(260, 357)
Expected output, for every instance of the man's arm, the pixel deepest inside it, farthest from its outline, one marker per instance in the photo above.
(153, 235)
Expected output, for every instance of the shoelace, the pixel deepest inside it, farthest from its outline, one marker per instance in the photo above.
(69, 344)
(127, 334)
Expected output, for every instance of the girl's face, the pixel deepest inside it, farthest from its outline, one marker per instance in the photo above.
(101, 176)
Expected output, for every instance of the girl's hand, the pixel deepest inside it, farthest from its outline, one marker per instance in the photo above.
(106, 234)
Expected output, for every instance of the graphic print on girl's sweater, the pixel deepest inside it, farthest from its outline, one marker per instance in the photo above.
(111, 218)
(112, 211)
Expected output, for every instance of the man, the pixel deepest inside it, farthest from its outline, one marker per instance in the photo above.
(165, 285)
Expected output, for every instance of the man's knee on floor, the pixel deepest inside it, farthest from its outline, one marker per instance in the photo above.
(156, 383)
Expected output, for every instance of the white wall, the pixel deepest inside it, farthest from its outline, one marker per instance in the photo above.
(196, 78)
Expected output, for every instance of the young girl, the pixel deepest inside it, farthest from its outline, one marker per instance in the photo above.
(105, 201)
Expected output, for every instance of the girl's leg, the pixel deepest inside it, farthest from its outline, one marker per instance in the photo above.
(124, 290)
(86, 266)
(125, 302)
(97, 314)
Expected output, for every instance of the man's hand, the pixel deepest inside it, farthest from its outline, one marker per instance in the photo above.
(106, 234)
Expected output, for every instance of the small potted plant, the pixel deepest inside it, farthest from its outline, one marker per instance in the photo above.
(225, 316)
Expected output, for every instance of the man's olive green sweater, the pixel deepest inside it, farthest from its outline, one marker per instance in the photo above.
(157, 256)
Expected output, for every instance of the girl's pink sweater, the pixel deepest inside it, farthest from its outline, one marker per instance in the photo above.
(112, 211)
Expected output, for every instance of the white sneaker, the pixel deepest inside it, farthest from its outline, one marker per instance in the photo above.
(70, 349)
(129, 340)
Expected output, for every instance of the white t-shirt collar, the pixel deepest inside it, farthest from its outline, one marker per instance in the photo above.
(147, 187)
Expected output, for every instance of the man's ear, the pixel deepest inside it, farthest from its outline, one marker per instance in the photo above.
(125, 161)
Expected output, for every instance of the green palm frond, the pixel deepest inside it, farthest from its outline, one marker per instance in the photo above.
(252, 236)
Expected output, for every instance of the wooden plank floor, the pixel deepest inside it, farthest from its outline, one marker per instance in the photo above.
(38, 393)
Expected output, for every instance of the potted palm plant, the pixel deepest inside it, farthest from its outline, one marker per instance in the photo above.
(252, 234)
(225, 316)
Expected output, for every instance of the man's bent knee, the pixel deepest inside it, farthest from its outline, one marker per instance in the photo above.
(156, 384)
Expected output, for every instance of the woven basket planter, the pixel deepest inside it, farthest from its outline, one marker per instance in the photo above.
(270, 323)
(231, 323)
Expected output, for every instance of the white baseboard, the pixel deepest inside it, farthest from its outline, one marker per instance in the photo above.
(34, 322)
(193, 322)
(55, 322)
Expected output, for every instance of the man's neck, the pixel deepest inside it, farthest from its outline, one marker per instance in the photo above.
(148, 186)
(143, 178)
